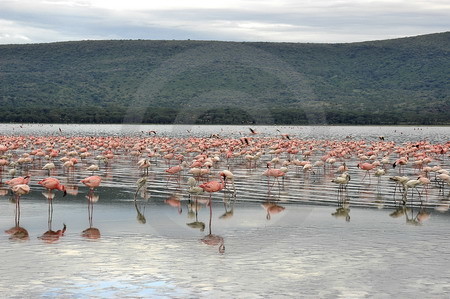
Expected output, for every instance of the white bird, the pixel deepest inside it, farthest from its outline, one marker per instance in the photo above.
(411, 184)
(229, 176)
(49, 167)
(93, 167)
(342, 180)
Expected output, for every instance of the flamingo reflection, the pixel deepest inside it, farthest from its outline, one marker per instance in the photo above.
(142, 191)
(399, 212)
(174, 201)
(228, 204)
(343, 211)
(3, 192)
(417, 218)
(193, 208)
(50, 235)
(272, 208)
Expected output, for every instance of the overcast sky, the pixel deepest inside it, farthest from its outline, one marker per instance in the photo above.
(329, 21)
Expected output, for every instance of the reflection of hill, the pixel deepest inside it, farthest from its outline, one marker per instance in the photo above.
(101, 78)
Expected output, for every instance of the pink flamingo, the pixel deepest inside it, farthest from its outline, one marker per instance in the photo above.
(53, 184)
(275, 173)
(174, 170)
(19, 190)
(400, 162)
(19, 180)
(367, 167)
(213, 186)
(92, 182)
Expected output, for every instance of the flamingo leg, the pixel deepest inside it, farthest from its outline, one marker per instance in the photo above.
(17, 218)
(50, 214)
(210, 212)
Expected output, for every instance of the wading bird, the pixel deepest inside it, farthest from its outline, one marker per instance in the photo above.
(53, 184)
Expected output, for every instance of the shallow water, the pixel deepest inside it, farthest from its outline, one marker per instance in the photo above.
(317, 246)
(303, 252)
(394, 133)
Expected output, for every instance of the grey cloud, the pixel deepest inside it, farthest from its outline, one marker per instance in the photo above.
(323, 21)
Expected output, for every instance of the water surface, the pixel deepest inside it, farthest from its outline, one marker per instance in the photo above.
(322, 244)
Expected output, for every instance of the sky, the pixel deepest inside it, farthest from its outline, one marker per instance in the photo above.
(314, 21)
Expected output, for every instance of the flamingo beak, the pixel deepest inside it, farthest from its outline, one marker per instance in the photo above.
(65, 193)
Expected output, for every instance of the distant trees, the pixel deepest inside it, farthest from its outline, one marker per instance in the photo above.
(401, 81)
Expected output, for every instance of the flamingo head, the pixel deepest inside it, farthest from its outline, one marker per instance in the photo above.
(62, 188)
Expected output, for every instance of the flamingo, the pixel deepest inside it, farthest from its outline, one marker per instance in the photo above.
(49, 166)
(444, 177)
(92, 182)
(367, 167)
(342, 180)
(18, 181)
(19, 190)
(399, 180)
(343, 168)
(228, 175)
(93, 168)
(425, 181)
(275, 173)
(410, 184)
(211, 187)
(68, 165)
(174, 170)
(53, 184)
(400, 162)
(253, 131)
(214, 186)
(144, 164)
(378, 173)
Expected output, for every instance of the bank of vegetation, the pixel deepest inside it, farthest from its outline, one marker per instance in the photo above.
(389, 82)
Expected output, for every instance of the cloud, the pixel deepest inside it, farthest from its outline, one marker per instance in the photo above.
(237, 20)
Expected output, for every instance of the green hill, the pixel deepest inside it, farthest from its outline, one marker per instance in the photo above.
(398, 81)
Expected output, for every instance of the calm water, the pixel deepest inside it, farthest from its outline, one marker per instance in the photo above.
(314, 247)
(397, 134)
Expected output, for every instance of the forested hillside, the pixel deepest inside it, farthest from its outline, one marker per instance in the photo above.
(399, 81)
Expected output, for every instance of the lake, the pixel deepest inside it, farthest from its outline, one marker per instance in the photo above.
(299, 236)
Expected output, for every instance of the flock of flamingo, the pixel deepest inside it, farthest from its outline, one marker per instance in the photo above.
(192, 169)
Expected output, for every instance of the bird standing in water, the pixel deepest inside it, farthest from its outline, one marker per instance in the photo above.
(92, 182)
(53, 184)
(214, 186)
(19, 190)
